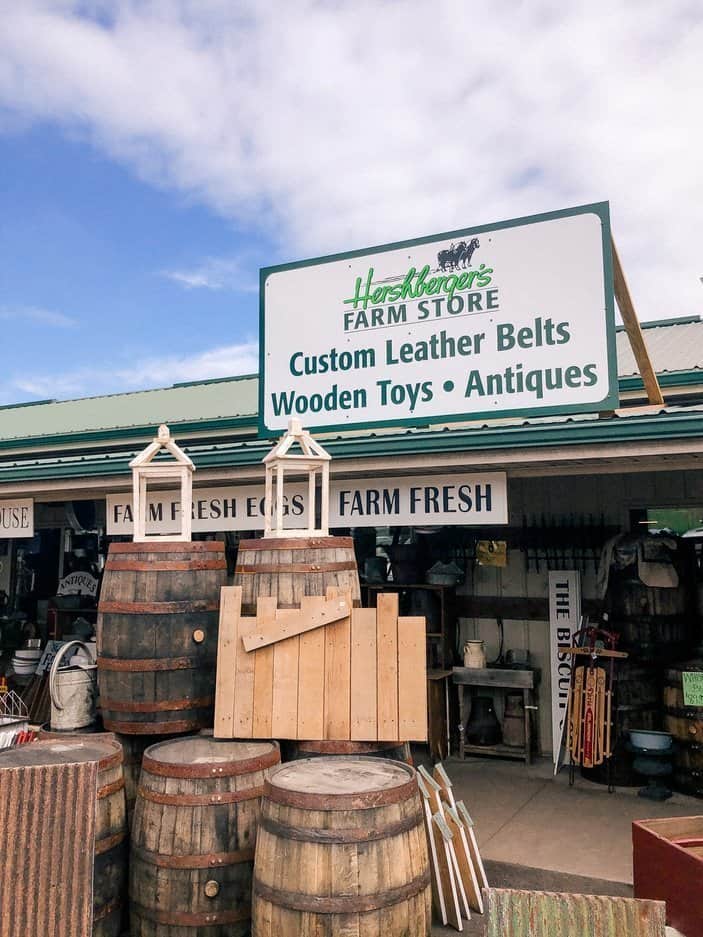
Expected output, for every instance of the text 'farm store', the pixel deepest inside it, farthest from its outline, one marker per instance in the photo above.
(499, 456)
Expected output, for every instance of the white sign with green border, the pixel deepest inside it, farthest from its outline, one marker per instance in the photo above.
(692, 687)
(493, 321)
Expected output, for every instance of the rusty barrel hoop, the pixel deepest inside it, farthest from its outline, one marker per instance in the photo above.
(157, 635)
(207, 793)
(291, 568)
(373, 817)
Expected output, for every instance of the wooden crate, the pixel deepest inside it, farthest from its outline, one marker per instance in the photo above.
(323, 671)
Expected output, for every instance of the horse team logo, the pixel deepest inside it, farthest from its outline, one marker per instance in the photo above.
(457, 255)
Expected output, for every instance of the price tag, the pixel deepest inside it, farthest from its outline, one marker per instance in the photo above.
(693, 688)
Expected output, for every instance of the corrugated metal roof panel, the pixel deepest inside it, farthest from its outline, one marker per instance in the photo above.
(513, 913)
(209, 400)
(673, 347)
(676, 347)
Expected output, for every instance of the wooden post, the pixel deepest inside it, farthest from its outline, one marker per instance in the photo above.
(634, 332)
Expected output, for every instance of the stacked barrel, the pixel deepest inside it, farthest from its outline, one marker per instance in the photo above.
(157, 643)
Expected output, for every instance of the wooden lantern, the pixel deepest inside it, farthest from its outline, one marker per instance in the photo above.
(296, 452)
(144, 469)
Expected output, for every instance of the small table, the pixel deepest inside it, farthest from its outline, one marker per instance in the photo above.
(497, 678)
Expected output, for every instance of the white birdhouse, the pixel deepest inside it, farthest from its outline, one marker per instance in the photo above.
(296, 452)
(144, 469)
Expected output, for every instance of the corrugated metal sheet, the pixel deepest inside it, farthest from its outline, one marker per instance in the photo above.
(677, 347)
(209, 400)
(47, 823)
(513, 913)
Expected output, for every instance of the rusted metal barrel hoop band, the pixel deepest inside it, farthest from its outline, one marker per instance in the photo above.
(353, 904)
(152, 664)
(212, 861)
(213, 799)
(171, 546)
(351, 835)
(109, 842)
(682, 713)
(333, 747)
(173, 705)
(295, 543)
(360, 801)
(190, 918)
(219, 769)
(120, 565)
(151, 728)
(113, 760)
(184, 607)
(108, 789)
(255, 570)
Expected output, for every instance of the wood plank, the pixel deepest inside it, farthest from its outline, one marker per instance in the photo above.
(387, 657)
(437, 886)
(311, 677)
(443, 840)
(476, 859)
(412, 684)
(263, 674)
(337, 700)
(244, 682)
(230, 608)
(363, 716)
(464, 859)
(284, 717)
(298, 623)
(634, 331)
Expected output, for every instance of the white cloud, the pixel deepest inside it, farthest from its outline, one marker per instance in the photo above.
(35, 314)
(338, 125)
(214, 273)
(223, 361)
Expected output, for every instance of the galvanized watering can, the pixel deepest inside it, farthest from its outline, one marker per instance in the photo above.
(72, 691)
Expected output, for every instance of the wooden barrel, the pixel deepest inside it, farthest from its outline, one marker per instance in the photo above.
(341, 849)
(193, 836)
(134, 747)
(686, 726)
(396, 751)
(293, 567)
(110, 859)
(157, 636)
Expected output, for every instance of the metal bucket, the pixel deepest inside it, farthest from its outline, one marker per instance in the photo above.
(72, 693)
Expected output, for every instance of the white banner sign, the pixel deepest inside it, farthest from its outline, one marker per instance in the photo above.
(503, 319)
(564, 619)
(214, 509)
(16, 518)
(432, 499)
(439, 500)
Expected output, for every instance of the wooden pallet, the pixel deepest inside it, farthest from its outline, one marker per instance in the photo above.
(323, 671)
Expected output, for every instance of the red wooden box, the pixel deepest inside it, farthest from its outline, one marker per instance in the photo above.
(667, 858)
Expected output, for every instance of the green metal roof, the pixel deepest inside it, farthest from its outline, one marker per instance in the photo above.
(227, 404)
(224, 403)
(667, 423)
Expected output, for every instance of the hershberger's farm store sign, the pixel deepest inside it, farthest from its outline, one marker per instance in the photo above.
(509, 318)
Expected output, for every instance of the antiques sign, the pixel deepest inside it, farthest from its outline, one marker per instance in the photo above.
(412, 500)
(498, 320)
(16, 518)
(564, 622)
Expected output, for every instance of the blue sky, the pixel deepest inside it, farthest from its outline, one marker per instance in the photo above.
(155, 153)
(95, 273)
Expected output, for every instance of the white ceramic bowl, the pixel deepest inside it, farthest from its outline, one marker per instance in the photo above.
(28, 654)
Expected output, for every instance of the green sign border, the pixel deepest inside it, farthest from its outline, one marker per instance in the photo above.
(609, 402)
